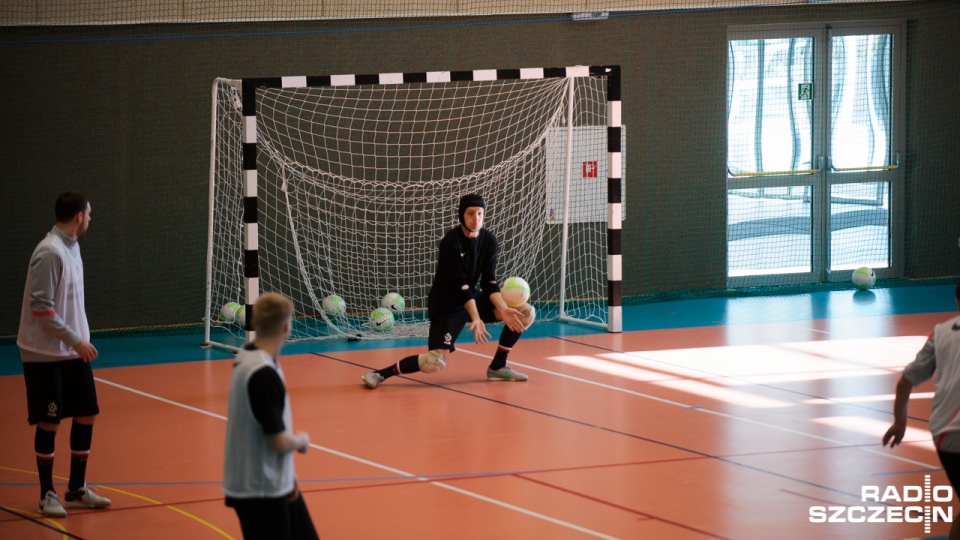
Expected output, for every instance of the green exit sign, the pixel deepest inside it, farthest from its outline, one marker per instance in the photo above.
(805, 91)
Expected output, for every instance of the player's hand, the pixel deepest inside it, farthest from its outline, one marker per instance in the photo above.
(895, 434)
(513, 318)
(480, 334)
(304, 442)
(86, 351)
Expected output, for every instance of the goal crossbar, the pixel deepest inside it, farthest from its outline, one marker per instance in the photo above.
(251, 215)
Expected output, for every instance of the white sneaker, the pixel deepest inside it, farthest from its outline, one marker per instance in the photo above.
(506, 373)
(86, 497)
(52, 506)
(372, 379)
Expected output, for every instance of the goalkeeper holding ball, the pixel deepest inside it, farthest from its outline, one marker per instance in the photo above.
(465, 289)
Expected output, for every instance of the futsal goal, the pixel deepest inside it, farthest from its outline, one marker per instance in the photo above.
(343, 185)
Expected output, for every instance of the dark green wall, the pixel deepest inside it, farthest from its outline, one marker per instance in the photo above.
(123, 113)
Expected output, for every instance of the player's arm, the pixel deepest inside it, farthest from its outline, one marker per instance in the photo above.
(895, 433)
(477, 326)
(510, 316)
(920, 370)
(498, 303)
(267, 398)
(452, 270)
(286, 442)
(45, 271)
(488, 270)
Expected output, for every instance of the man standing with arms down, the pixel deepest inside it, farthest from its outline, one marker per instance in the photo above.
(54, 342)
(259, 481)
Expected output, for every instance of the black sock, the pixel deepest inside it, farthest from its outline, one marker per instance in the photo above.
(44, 443)
(81, 436)
(508, 338)
(410, 364)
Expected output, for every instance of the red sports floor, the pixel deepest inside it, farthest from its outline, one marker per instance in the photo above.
(708, 432)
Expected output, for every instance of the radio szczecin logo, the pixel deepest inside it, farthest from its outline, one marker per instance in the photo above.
(909, 504)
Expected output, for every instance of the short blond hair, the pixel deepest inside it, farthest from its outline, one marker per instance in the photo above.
(270, 312)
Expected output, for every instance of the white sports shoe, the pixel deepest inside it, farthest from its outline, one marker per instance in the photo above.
(52, 506)
(86, 497)
(506, 373)
(372, 379)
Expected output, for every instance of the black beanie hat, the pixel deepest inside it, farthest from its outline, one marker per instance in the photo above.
(469, 200)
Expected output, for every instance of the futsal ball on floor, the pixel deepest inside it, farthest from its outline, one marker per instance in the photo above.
(334, 305)
(381, 319)
(228, 313)
(394, 302)
(515, 291)
(864, 278)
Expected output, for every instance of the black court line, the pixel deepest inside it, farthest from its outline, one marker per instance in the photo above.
(624, 508)
(608, 430)
(40, 523)
(745, 381)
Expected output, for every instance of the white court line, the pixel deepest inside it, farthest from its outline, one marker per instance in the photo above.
(380, 466)
(715, 413)
(158, 398)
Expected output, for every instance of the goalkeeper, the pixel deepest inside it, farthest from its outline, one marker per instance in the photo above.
(465, 290)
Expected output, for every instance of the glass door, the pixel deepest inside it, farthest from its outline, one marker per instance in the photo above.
(814, 129)
(865, 138)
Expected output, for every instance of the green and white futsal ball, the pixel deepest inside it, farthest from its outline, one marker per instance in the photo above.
(242, 316)
(515, 291)
(381, 319)
(334, 306)
(864, 278)
(228, 313)
(394, 302)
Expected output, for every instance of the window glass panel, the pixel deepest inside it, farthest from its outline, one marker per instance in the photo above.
(768, 231)
(861, 100)
(769, 123)
(859, 231)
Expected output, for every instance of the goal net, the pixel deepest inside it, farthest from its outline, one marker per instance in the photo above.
(354, 185)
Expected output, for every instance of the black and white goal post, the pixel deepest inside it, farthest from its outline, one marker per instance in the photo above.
(342, 185)
(614, 200)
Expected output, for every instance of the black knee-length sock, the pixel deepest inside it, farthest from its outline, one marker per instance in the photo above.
(44, 443)
(81, 435)
(508, 338)
(410, 364)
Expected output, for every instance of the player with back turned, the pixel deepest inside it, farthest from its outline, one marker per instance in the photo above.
(939, 358)
(259, 481)
(465, 290)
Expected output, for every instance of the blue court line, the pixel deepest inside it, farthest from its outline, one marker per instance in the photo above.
(394, 478)
(915, 471)
(317, 31)
(697, 312)
(278, 33)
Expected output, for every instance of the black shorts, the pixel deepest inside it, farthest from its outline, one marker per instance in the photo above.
(446, 327)
(56, 390)
(279, 518)
(951, 465)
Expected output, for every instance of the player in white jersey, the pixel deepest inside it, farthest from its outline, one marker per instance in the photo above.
(54, 342)
(258, 476)
(939, 358)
